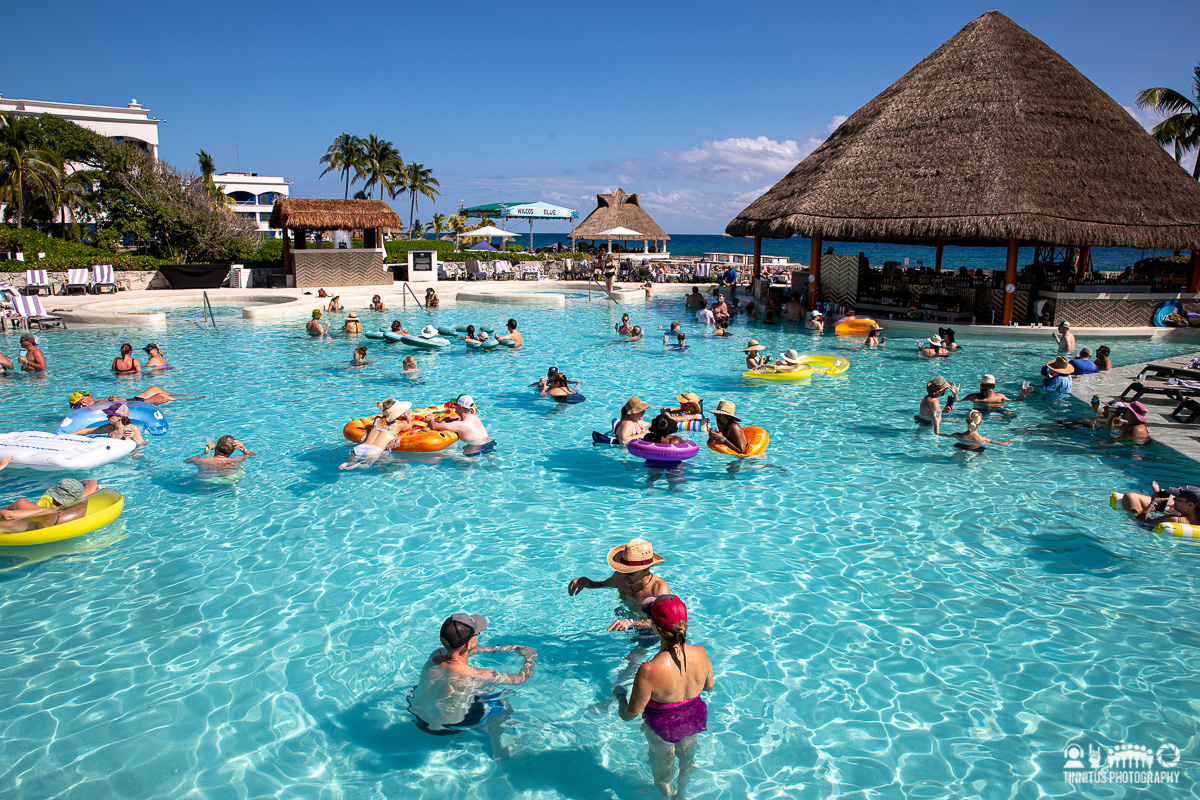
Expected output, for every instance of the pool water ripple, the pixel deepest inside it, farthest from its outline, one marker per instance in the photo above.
(887, 616)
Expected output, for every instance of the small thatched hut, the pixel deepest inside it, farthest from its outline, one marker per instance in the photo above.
(619, 210)
(348, 267)
(993, 139)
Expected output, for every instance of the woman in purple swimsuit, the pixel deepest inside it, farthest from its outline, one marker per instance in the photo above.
(666, 692)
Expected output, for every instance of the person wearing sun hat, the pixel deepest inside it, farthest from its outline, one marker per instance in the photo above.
(1058, 375)
(314, 326)
(815, 322)
(988, 397)
(118, 425)
(429, 332)
(631, 426)
(788, 362)
(1132, 418)
(933, 347)
(728, 430)
(930, 412)
(667, 694)
(631, 576)
(67, 491)
(394, 419)
(873, 337)
(753, 359)
(451, 695)
(690, 407)
(352, 324)
(469, 428)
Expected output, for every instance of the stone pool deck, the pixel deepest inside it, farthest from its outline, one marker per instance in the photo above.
(1179, 436)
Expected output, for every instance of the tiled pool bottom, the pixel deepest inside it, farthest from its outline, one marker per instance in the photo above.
(887, 616)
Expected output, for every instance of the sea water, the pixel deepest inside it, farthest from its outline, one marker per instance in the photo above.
(887, 615)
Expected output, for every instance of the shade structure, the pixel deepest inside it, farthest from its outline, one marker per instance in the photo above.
(332, 215)
(488, 231)
(991, 139)
(620, 233)
(482, 246)
(619, 210)
(539, 210)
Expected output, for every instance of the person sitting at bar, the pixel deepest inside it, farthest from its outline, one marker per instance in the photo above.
(1083, 364)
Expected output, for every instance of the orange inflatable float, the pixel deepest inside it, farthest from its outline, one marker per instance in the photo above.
(854, 326)
(420, 439)
(757, 440)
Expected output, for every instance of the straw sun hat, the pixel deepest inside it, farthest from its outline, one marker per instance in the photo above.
(1061, 365)
(936, 385)
(791, 356)
(635, 556)
(727, 408)
(754, 345)
(428, 332)
(935, 340)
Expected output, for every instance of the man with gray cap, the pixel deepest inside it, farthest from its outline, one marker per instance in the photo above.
(31, 357)
(452, 695)
(1083, 364)
(1064, 337)
(66, 492)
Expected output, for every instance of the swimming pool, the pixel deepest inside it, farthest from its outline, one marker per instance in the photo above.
(887, 616)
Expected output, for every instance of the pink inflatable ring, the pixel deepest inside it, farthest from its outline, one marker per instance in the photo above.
(656, 453)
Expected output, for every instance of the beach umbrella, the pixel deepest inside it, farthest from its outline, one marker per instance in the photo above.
(487, 232)
(619, 233)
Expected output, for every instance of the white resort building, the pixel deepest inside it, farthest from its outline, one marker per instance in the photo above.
(131, 124)
(254, 195)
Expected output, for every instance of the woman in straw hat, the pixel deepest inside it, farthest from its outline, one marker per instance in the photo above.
(933, 347)
(788, 362)
(874, 339)
(729, 428)
(394, 418)
(666, 693)
(690, 407)
(352, 324)
(630, 426)
(931, 409)
(754, 357)
(631, 577)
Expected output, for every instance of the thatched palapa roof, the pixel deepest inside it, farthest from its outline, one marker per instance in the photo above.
(618, 210)
(993, 136)
(332, 215)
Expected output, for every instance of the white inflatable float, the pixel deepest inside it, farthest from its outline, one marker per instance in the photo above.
(41, 450)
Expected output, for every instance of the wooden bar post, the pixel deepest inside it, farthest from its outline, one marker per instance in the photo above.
(287, 252)
(1194, 278)
(1085, 255)
(814, 272)
(756, 275)
(937, 259)
(1010, 282)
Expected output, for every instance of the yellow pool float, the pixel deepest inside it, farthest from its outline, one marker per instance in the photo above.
(1178, 529)
(66, 522)
(772, 374)
(825, 363)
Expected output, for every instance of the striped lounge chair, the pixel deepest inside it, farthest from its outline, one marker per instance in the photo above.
(31, 310)
(703, 269)
(36, 280)
(102, 275)
(77, 279)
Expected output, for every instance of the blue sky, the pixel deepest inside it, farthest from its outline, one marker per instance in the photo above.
(697, 106)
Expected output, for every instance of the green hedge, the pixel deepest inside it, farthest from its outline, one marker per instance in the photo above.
(1164, 265)
(63, 254)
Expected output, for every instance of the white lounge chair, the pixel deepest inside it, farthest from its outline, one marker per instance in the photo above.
(703, 269)
(31, 310)
(102, 275)
(501, 270)
(36, 280)
(77, 279)
(530, 271)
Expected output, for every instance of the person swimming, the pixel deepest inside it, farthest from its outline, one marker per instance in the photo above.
(410, 364)
(931, 409)
(624, 328)
(971, 438)
(126, 364)
(360, 356)
(662, 430)
(398, 328)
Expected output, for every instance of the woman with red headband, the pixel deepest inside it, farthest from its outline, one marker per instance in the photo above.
(666, 692)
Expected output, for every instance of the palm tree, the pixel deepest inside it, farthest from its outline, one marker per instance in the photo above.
(418, 179)
(73, 194)
(380, 161)
(438, 225)
(344, 155)
(208, 168)
(416, 229)
(26, 171)
(1180, 130)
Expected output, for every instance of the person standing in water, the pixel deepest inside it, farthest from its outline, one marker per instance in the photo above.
(513, 334)
(314, 326)
(468, 426)
(666, 693)
(631, 577)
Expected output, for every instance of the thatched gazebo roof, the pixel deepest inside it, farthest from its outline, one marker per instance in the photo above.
(619, 210)
(332, 215)
(992, 137)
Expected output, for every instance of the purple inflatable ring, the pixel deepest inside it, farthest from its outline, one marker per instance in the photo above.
(663, 453)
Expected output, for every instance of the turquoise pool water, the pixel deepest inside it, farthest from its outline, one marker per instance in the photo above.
(887, 616)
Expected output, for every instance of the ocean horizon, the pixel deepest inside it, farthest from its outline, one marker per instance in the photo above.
(1108, 259)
